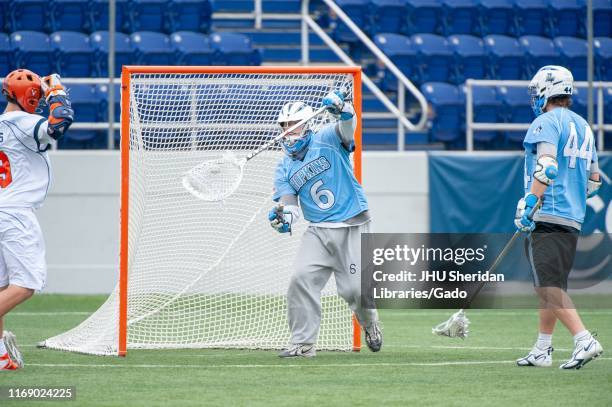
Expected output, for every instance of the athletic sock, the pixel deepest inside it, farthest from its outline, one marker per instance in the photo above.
(2, 347)
(544, 341)
(582, 336)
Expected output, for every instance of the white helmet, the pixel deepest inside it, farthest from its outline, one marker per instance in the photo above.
(294, 112)
(549, 81)
(298, 140)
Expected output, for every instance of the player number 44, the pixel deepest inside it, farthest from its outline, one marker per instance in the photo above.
(571, 147)
(5, 170)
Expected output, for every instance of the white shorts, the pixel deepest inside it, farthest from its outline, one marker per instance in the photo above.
(22, 250)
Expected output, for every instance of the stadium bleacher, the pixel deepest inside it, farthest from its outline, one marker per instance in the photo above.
(431, 41)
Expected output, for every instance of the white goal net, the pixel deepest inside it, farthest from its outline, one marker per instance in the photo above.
(207, 274)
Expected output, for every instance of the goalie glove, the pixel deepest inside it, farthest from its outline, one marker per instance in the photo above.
(455, 327)
(61, 114)
(335, 105)
(283, 217)
(523, 219)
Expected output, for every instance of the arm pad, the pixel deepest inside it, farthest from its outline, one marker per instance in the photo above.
(61, 116)
(546, 169)
(347, 124)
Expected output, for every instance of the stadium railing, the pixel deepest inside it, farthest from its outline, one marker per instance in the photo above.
(599, 125)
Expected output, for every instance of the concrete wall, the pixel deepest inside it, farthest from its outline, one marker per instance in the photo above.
(80, 218)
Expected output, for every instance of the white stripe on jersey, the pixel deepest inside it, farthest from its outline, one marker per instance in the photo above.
(25, 169)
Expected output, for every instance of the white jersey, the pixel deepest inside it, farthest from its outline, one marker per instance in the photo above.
(25, 169)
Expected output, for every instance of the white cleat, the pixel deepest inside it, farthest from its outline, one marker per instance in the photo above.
(11, 348)
(299, 350)
(537, 357)
(584, 352)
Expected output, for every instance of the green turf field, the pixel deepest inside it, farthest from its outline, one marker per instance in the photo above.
(414, 366)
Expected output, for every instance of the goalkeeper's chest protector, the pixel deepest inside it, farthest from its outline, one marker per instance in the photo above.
(25, 169)
(323, 180)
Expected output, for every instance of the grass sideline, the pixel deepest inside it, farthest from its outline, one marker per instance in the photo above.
(413, 367)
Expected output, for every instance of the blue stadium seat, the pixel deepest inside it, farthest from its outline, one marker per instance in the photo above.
(448, 106)
(75, 56)
(6, 55)
(102, 95)
(191, 15)
(567, 18)
(33, 50)
(580, 102)
(532, 17)
(517, 109)
(434, 57)
(497, 17)
(4, 17)
(602, 48)
(86, 105)
(487, 108)
(234, 49)
(152, 48)
(424, 16)
(194, 48)
(388, 16)
(461, 17)
(150, 15)
(574, 55)
(29, 15)
(470, 57)
(506, 57)
(123, 51)
(602, 18)
(539, 51)
(70, 15)
(399, 50)
(359, 12)
(99, 15)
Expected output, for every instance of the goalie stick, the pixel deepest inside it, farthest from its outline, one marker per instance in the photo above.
(457, 324)
(215, 180)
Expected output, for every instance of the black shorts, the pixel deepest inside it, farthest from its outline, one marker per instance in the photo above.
(550, 250)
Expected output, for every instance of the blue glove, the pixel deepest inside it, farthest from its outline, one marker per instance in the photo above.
(334, 103)
(280, 219)
(523, 219)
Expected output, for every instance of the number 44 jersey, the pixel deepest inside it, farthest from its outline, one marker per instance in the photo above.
(25, 171)
(566, 196)
(323, 180)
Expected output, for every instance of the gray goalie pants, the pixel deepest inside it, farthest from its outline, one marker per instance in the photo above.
(324, 251)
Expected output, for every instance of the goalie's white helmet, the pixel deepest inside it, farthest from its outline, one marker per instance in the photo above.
(549, 81)
(297, 140)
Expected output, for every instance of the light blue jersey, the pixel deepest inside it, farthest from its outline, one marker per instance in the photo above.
(566, 196)
(323, 180)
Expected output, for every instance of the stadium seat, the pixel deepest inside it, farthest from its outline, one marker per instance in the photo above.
(234, 49)
(531, 17)
(191, 15)
(580, 102)
(567, 18)
(447, 107)
(574, 55)
(75, 56)
(539, 52)
(470, 57)
(505, 57)
(359, 12)
(399, 50)
(123, 51)
(33, 50)
(99, 16)
(70, 15)
(517, 109)
(102, 95)
(150, 15)
(29, 15)
(461, 17)
(388, 16)
(496, 17)
(194, 48)
(6, 55)
(434, 57)
(602, 18)
(602, 48)
(487, 109)
(86, 105)
(152, 48)
(424, 16)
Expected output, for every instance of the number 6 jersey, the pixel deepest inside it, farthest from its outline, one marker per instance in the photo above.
(565, 198)
(323, 180)
(25, 170)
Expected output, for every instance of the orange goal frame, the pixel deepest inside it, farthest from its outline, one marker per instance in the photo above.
(125, 161)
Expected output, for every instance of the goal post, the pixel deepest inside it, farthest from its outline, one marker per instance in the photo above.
(197, 274)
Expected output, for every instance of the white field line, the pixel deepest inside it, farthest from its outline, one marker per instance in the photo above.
(281, 366)
(48, 314)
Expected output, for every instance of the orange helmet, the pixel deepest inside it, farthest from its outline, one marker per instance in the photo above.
(23, 87)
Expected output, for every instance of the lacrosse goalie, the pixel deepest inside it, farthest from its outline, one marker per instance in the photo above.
(316, 178)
